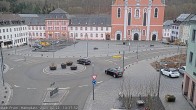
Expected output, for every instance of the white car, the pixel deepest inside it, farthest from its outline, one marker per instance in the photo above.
(170, 72)
(182, 70)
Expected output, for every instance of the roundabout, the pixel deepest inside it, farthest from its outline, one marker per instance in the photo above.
(66, 71)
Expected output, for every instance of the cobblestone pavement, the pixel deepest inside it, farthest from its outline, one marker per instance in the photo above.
(5, 90)
(139, 75)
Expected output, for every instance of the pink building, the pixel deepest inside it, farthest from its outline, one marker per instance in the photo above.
(57, 24)
(143, 19)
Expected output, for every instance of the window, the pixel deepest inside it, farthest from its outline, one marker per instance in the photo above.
(193, 35)
(102, 28)
(96, 35)
(7, 30)
(118, 13)
(3, 30)
(190, 57)
(80, 28)
(76, 34)
(81, 35)
(102, 35)
(129, 32)
(36, 34)
(10, 30)
(91, 35)
(85, 28)
(0, 30)
(91, 28)
(156, 12)
(71, 34)
(71, 28)
(40, 28)
(36, 27)
(0, 37)
(137, 13)
(76, 28)
(106, 28)
(40, 34)
(129, 18)
(96, 28)
(143, 32)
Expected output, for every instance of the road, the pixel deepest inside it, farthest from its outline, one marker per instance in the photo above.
(30, 84)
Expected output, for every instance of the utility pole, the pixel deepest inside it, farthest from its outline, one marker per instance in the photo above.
(123, 60)
(108, 48)
(87, 45)
(125, 20)
(2, 64)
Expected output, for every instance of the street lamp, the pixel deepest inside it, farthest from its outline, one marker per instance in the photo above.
(86, 45)
(2, 64)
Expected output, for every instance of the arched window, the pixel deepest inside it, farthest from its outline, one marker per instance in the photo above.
(137, 13)
(129, 18)
(156, 12)
(118, 13)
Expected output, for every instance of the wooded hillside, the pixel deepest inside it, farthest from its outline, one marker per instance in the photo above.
(173, 8)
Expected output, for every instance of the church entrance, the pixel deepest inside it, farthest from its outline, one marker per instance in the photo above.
(118, 37)
(136, 36)
(154, 37)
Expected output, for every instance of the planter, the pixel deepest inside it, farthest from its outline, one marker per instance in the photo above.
(69, 63)
(63, 65)
(170, 98)
(73, 67)
(52, 66)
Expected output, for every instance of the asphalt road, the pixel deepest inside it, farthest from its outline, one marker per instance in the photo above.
(30, 83)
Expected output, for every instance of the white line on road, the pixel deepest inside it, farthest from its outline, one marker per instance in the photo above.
(31, 88)
(99, 82)
(59, 88)
(83, 86)
(11, 68)
(16, 86)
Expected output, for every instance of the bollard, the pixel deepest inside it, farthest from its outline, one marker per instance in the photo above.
(5, 88)
(4, 96)
(6, 91)
(2, 102)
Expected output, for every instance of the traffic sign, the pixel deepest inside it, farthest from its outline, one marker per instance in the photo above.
(94, 82)
(94, 77)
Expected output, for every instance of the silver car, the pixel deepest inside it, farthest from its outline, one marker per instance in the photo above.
(182, 70)
(170, 72)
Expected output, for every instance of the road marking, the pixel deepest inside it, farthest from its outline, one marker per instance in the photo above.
(16, 86)
(99, 82)
(59, 88)
(83, 86)
(11, 68)
(19, 60)
(31, 88)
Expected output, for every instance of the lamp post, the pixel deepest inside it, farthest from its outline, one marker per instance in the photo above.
(2, 64)
(86, 45)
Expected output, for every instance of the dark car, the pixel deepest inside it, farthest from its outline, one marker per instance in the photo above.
(84, 61)
(115, 72)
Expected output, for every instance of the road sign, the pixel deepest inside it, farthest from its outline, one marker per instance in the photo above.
(94, 82)
(94, 77)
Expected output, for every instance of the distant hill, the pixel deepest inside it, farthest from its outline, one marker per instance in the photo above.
(173, 9)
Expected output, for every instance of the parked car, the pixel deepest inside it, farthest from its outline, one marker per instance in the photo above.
(182, 70)
(115, 72)
(170, 72)
(84, 61)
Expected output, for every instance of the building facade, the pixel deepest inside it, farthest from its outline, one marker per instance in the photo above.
(13, 30)
(92, 27)
(167, 29)
(137, 19)
(189, 88)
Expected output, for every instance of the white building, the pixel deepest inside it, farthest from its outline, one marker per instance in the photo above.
(13, 31)
(92, 27)
(167, 29)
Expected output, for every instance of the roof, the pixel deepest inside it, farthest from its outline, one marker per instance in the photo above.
(37, 19)
(167, 24)
(90, 20)
(193, 18)
(57, 16)
(11, 19)
(58, 11)
(182, 17)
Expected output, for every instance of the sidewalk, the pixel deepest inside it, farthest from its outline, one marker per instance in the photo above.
(139, 74)
(6, 91)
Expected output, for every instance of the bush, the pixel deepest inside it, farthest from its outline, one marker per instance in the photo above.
(63, 65)
(170, 98)
(53, 66)
(69, 63)
(73, 67)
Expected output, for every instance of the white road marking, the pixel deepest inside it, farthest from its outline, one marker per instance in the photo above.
(19, 60)
(31, 88)
(16, 86)
(99, 82)
(83, 86)
(59, 88)
(11, 68)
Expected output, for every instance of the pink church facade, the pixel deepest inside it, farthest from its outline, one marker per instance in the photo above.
(143, 20)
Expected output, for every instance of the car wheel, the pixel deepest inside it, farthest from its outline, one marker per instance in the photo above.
(114, 75)
(106, 72)
(161, 72)
(170, 76)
